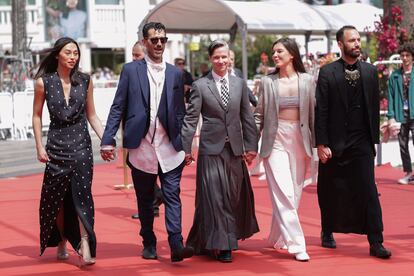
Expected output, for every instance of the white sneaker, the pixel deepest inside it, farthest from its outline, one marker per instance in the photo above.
(302, 257)
(262, 177)
(406, 179)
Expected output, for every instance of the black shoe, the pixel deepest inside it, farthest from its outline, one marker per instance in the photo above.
(149, 253)
(328, 240)
(379, 251)
(225, 256)
(135, 216)
(156, 212)
(181, 253)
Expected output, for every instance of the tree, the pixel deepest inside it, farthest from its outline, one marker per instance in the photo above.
(392, 30)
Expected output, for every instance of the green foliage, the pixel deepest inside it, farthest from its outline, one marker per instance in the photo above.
(255, 46)
(200, 56)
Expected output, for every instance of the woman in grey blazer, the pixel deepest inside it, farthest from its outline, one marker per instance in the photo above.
(284, 117)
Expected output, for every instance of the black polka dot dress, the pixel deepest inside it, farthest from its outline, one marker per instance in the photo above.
(68, 175)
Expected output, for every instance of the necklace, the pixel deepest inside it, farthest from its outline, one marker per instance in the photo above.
(352, 76)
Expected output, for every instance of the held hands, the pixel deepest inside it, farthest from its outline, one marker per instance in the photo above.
(324, 153)
(249, 156)
(42, 155)
(189, 158)
(108, 153)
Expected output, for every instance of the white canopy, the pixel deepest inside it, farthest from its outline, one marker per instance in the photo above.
(361, 16)
(273, 16)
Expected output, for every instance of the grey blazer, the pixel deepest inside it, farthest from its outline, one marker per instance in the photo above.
(234, 122)
(267, 111)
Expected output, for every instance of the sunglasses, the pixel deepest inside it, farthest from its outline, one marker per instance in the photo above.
(154, 40)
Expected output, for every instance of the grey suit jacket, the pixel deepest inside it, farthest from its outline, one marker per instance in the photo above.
(234, 122)
(267, 111)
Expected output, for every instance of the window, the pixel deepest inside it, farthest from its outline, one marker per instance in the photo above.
(8, 2)
(107, 2)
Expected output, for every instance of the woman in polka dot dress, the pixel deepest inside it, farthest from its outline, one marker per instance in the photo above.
(66, 204)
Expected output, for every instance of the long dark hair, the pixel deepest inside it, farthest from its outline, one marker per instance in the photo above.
(50, 63)
(293, 49)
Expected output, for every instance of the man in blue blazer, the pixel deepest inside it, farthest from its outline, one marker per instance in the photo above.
(150, 102)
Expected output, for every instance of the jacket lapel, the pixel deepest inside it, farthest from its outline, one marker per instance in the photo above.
(275, 89)
(301, 93)
(339, 76)
(169, 82)
(213, 88)
(399, 80)
(232, 90)
(366, 87)
(143, 81)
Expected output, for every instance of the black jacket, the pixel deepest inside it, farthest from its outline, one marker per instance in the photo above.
(331, 118)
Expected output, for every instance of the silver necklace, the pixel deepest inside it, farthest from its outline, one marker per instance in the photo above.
(352, 76)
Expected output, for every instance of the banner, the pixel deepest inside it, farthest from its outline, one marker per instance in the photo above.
(66, 18)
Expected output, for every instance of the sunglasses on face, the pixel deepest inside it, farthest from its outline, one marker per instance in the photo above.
(154, 40)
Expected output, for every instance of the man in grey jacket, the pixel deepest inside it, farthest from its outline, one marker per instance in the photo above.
(224, 197)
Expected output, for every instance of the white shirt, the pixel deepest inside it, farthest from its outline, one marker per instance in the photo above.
(217, 79)
(155, 147)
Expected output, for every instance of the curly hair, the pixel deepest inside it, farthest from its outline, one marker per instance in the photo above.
(407, 47)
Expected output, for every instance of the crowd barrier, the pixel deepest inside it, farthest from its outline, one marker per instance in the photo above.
(16, 112)
(16, 119)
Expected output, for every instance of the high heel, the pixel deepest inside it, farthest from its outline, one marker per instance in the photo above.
(84, 252)
(62, 253)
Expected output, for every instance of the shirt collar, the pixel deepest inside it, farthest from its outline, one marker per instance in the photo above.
(153, 65)
(217, 78)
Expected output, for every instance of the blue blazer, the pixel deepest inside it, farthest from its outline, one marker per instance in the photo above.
(132, 105)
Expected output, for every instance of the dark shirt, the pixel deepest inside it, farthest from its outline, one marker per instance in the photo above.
(406, 85)
(357, 122)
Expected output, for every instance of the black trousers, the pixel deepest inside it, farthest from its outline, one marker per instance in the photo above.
(403, 139)
(170, 187)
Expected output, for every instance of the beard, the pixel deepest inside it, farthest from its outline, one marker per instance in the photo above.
(352, 53)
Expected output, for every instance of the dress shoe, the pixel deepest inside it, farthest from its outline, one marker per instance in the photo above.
(328, 240)
(379, 251)
(302, 257)
(224, 256)
(156, 213)
(180, 253)
(149, 253)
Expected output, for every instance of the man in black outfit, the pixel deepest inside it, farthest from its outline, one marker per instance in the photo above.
(347, 129)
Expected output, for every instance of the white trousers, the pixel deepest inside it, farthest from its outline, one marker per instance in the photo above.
(285, 173)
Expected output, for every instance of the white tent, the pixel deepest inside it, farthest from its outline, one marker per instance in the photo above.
(361, 16)
(273, 17)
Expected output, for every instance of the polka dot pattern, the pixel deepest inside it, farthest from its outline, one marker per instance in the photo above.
(70, 169)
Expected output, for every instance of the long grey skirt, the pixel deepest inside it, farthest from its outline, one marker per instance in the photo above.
(224, 203)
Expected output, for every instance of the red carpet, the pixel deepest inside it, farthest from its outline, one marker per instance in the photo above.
(119, 245)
